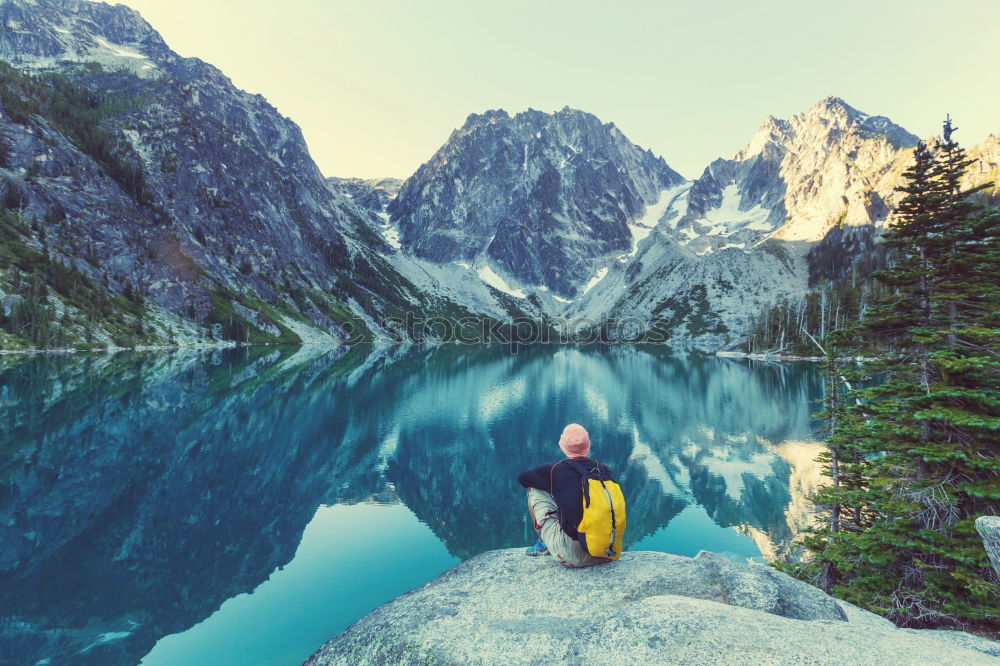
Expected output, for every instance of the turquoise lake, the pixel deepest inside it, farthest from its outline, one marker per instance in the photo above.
(243, 506)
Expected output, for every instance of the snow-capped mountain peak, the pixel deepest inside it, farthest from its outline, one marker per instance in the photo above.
(542, 199)
(795, 179)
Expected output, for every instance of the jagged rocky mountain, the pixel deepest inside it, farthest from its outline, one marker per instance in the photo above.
(795, 180)
(543, 200)
(187, 209)
(737, 238)
(166, 180)
(702, 257)
(986, 167)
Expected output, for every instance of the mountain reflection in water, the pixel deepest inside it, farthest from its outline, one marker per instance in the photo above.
(141, 491)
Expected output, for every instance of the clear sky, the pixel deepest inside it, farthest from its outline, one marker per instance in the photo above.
(378, 85)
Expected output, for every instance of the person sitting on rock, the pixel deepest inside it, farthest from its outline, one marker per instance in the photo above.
(555, 501)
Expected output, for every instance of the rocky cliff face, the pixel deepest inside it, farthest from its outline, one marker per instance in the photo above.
(48, 33)
(167, 180)
(227, 188)
(543, 200)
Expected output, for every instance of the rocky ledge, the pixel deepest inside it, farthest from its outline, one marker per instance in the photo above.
(504, 608)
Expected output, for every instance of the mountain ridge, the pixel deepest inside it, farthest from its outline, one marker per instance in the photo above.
(200, 204)
(230, 232)
(517, 194)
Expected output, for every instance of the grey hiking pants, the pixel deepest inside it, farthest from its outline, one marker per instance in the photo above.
(562, 546)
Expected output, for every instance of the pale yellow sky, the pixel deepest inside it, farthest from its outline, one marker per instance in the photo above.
(378, 86)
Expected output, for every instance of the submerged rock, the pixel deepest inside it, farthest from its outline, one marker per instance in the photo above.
(503, 607)
(989, 530)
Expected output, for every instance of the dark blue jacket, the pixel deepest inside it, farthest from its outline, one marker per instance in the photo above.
(565, 485)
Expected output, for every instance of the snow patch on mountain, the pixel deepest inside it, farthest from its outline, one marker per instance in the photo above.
(671, 200)
(118, 50)
(600, 275)
(391, 236)
(678, 205)
(490, 277)
(729, 217)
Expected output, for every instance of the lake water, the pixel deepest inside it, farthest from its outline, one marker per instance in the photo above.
(243, 506)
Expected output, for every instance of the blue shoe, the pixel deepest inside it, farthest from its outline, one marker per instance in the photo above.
(538, 549)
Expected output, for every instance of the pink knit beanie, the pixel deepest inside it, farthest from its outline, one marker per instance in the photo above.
(575, 442)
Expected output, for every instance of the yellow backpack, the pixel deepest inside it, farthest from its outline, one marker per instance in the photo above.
(603, 524)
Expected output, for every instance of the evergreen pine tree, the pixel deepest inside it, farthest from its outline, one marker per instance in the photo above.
(915, 457)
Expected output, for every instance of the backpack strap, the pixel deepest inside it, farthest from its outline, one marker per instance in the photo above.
(551, 470)
(585, 474)
(552, 491)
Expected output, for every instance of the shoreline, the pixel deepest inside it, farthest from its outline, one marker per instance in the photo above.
(227, 344)
(769, 357)
(105, 350)
(790, 357)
